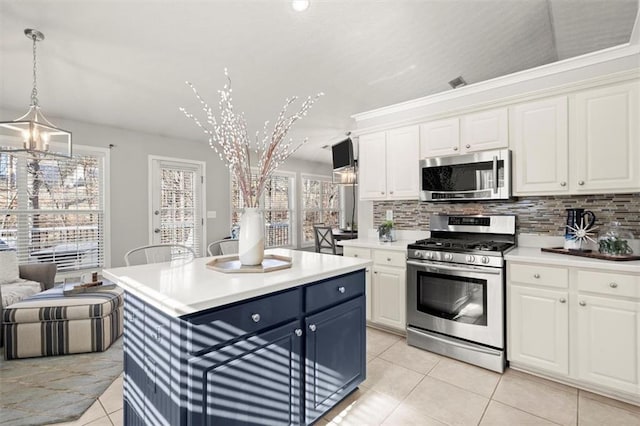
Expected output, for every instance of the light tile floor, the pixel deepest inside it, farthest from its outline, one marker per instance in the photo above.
(409, 386)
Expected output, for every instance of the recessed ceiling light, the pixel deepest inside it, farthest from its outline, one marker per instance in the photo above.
(300, 5)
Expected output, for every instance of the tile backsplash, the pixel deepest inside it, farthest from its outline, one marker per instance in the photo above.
(535, 215)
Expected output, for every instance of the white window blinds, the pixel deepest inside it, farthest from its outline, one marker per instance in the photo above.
(52, 209)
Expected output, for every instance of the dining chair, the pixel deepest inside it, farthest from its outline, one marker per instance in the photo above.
(155, 253)
(222, 247)
(325, 243)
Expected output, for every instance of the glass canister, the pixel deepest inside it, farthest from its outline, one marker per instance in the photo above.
(615, 240)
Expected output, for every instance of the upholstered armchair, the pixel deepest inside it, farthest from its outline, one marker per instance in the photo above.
(32, 278)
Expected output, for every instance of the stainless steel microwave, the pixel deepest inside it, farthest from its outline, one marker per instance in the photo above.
(484, 175)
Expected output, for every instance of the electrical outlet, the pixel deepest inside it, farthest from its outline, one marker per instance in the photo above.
(389, 214)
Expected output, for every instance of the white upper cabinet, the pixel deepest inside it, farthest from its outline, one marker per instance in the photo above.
(484, 130)
(402, 163)
(440, 138)
(372, 178)
(389, 165)
(605, 139)
(469, 133)
(540, 145)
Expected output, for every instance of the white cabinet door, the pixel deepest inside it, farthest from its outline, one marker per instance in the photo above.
(403, 162)
(608, 342)
(605, 139)
(484, 130)
(540, 144)
(439, 138)
(363, 253)
(388, 288)
(372, 179)
(539, 328)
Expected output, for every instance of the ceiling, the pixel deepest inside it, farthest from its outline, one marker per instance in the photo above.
(124, 63)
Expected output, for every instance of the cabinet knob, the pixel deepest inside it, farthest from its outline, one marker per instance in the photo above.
(355, 255)
(255, 317)
(157, 230)
(381, 192)
(455, 148)
(580, 182)
(298, 332)
(158, 332)
(613, 285)
(341, 289)
(312, 327)
(536, 276)
(467, 146)
(367, 269)
(563, 300)
(563, 183)
(390, 192)
(388, 259)
(582, 303)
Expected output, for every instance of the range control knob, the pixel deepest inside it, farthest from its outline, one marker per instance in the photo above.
(471, 258)
(448, 256)
(484, 259)
(428, 255)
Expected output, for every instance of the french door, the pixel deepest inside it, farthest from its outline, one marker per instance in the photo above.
(176, 189)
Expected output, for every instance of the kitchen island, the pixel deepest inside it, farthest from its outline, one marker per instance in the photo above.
(205, 347)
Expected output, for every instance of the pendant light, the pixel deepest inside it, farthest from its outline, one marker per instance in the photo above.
(33, 133)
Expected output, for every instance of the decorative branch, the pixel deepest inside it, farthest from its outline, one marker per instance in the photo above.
(229, 138)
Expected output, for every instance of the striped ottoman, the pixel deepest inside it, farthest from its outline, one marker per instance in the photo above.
(50, 323)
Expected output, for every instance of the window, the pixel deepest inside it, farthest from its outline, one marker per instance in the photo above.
(53, 209)
(278, 205)
(319, 204)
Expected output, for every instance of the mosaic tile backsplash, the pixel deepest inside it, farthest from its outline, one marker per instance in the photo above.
(535, 215)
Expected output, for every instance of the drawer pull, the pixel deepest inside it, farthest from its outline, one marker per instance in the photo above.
(467, 146)
(563, 183)
(255, 317)
(582, 303)
(312, 327)
(298, 332)
(455, 148)
(536, 276)
(613, 285)
(563, 300)
(580, 182)
(341, 289)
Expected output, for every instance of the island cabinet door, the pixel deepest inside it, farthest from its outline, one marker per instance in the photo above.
(134, 362)
(253, 381)
(335, 356)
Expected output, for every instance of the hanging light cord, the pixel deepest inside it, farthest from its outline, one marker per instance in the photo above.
(34, 91)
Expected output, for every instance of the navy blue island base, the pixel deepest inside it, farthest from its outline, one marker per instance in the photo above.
(283, 358)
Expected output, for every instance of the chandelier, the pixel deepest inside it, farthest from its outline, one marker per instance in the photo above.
(33, 133)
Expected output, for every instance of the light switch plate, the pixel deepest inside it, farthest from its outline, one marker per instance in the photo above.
(211, 214)
(389, 214)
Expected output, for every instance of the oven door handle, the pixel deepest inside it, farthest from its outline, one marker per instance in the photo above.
(434, 268)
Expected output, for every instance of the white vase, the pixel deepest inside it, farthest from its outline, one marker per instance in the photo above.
(251, 241)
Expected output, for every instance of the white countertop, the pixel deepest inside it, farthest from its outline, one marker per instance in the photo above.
(374, 243)
(529, 254)
(183, 288)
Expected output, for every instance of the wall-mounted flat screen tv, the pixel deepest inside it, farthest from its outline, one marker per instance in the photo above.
(342, 154)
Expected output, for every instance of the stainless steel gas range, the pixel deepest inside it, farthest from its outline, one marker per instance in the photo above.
(456, 288)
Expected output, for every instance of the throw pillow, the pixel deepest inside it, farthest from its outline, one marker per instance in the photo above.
(9, 272)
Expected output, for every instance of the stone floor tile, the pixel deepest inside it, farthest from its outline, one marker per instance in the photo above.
(447, 403)
(102, 421)
(379, 341)
(538, 398)
(391, 379)
(111, 399)
(592, 412)
(364, 407)
(466, 376)
(608, 401)
(406, 415)
(498, 414)
(117, 417)
(411, 357)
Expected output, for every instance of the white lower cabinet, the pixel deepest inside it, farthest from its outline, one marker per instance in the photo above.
(577, 325)
(608, 342)
(540, 328)
(386, 286)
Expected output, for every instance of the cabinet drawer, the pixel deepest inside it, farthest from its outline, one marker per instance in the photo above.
(390, 258)
(607, 283)
(539, 275)
(211, 329)
(361, 253)
(334, 291)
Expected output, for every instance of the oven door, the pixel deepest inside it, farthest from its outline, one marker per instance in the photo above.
(462, 301)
